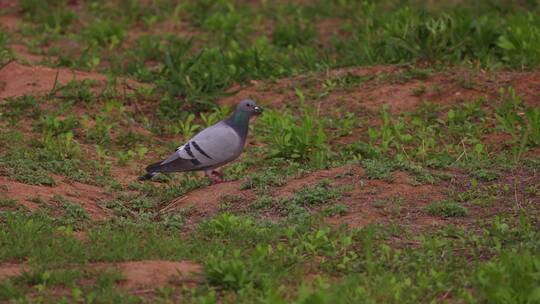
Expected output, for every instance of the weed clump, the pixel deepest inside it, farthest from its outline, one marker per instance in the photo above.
(302, 139)
(321, 193)
(446, 208)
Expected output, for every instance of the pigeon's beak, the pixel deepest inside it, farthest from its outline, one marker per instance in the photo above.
(258, 110)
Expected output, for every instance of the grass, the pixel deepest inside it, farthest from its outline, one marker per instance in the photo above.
(193, 71)
(314, 214)
(303, 140)
(247, 274)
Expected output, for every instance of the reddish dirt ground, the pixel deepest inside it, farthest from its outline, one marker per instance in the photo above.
(382, 201)
(8, 270)
(443, 88)
(88, 196)
(9, 22)
(361, 199)
(138, 276)
(205, 201)
(155, 273)
(18, 80)
(22, 54)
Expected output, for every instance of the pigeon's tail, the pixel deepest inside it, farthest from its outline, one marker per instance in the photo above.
(151, 171)
(154, 167)
(147, 176)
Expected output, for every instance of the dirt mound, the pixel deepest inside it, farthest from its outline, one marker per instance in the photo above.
(371, 201)
(154, 274)
(18, 80)
(313, 178)
(528, 86)
(205, 201)
(87, 196)
(8, 270)
(21, 53)
(137, 274)
(368, 201)
(282, 91)
(391, 85)
(382, 201)
(9, 22)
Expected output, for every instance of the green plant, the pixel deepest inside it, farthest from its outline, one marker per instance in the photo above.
(337, 209)
(187, 128)
(73, 213)
(173, 222)
(446, 208)
(28, 172)
(52, 15)
(533, 123)
(5, 53)
(377, 169)
(8, 203)
(520, 42)
(523, 123)
(512, 278)
(61, 146)
(228, 224)
(418, 91)
(217, 114)
(228, 273)
(53, 125)
(301, 139)
(343, 123)
(77, 91)
(100, 131)
(424, 37)
(391, 134)
(15, 109)
(124, 157)
(105, 33)
(293, 32)
(321, 193)
(262, 181)
(262, 202)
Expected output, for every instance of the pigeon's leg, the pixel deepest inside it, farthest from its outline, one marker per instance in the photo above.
(214, 176)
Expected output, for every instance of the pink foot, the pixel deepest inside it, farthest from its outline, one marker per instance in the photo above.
(215, 177)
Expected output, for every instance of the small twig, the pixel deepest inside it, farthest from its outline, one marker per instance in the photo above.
(137, 107)
(172, 204)
(142, 291)
(53, 89)
(447, 293)
(459, 157)
(515, 190)
(464, 149)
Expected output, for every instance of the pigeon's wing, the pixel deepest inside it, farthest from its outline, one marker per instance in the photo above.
(212, 147)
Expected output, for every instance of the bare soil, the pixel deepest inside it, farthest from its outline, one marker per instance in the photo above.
(18, 80)
(88, 196)
(155, 273)
(8, 270)
(386, 86)
(138, 276)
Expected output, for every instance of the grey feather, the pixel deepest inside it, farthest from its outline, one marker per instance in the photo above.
(211, 148)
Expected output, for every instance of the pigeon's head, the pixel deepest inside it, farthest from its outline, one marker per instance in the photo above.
(249, 106)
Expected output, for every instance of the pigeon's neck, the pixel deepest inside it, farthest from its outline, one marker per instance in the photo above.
(239, 121)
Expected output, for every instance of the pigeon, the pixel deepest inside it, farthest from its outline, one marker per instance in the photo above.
(212, 147)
